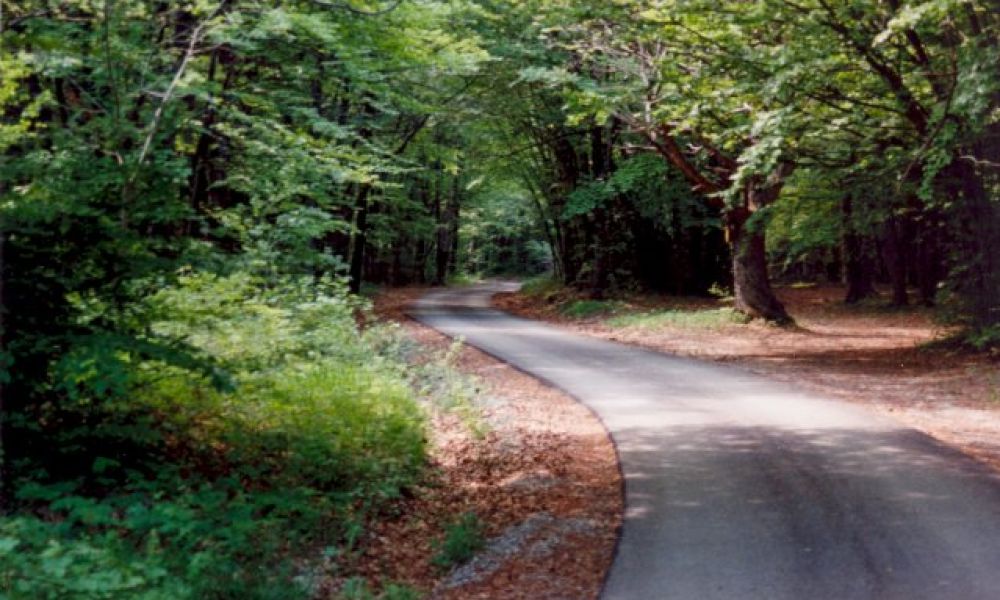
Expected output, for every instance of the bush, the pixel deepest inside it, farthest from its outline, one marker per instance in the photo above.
(220, 483)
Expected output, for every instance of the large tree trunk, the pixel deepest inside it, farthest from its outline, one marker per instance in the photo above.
(751, 283)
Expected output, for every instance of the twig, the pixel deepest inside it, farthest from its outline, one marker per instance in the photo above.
(158, 115)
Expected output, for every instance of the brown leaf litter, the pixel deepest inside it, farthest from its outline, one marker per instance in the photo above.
(543, 480)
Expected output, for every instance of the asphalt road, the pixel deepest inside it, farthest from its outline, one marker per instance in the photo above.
(742, 488)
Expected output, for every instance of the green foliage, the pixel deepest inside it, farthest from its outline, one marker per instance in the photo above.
(658, 193)
(805, 228)
(984, 338)
(462, 540)
(40, 561)
(502, 233)
(321, 424)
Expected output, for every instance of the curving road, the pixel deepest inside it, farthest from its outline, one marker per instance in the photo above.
(741, 488)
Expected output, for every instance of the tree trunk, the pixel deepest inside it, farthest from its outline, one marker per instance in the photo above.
(751, 283)
(359, 238)
(453, 233)
(420, 262)
(446, 238)
(857, 268)
(439, 242)
(600, 168)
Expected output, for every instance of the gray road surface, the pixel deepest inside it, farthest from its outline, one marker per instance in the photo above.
(741, 488)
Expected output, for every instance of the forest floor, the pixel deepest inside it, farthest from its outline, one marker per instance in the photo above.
(542, 478)
(872, 355)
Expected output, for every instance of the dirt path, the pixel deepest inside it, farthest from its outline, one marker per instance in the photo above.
(740, 487)
(544, 481)
(868, 355)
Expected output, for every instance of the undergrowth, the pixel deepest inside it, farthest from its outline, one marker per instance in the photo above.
(222, 481)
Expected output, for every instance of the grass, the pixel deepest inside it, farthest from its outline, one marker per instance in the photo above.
(543, 286)
(707, 318)
(462, 540)
(585, 309)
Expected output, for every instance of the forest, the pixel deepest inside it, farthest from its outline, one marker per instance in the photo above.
(199, 197)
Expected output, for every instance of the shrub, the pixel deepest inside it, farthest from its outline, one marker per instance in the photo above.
(183, 487)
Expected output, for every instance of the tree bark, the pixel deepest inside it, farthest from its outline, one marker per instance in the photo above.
(751, 284)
